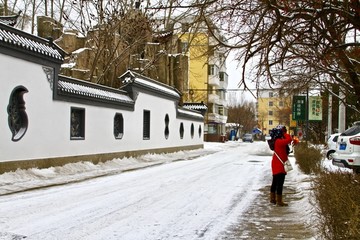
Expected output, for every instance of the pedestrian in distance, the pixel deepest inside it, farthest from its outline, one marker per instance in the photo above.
(281, 150)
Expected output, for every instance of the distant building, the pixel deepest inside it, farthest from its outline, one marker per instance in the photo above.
(272, 110)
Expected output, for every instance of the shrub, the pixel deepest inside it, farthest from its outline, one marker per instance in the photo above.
(308, 158)
(337, 205)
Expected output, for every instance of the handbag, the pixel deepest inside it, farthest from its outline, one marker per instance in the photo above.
(287, 165)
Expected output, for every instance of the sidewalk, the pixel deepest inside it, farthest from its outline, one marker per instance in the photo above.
(267, 221)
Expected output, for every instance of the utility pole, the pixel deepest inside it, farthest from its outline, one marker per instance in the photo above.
(342, 111)
(307, 115)
(329, 125)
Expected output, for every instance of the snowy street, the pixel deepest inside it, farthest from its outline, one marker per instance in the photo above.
(198, 194)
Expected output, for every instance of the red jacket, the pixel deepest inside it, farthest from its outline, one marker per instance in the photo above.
(280, 148)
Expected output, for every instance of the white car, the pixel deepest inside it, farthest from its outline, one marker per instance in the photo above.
(331, 145)
(248, 137)
(348, 149)
(267, 137)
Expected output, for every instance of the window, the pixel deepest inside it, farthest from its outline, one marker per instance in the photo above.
(211, 51)
(213, 70)
(222, 58)
(166, 126)
(146, 125)
(281, 104)
(192, 130)
(17, 117)
(223, 76)
(118, 126)
(270, 113)
(181, 130)
(221, 110)
(77, 124)
(271, 94)
(355, 129)
(270, 122)
(200, 131)
(271, 104)
(212, 129)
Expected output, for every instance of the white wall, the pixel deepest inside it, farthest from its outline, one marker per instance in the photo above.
(48, 133)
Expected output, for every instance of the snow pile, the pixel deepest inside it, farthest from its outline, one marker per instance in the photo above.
(33, 178)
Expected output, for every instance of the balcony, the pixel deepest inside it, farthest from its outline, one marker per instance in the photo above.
(223, 119)
(216, 118)
(214, 80)
(213, 117)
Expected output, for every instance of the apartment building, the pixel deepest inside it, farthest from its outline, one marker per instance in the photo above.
(207, 78)
(272, 109)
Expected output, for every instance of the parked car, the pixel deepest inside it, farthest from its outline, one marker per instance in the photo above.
(348, 149)
(248, 137)
(331, 145)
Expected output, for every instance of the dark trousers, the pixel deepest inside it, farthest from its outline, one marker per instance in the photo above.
(278, 183)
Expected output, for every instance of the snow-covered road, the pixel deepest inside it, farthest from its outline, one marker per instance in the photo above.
(190, 199)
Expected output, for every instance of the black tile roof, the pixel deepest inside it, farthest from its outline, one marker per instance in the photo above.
(195, 106)
(83, 89)
(16, 39)
(132, 77)
(92, 92)
(9, 20)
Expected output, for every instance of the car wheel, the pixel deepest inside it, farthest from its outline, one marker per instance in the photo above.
(329, 154)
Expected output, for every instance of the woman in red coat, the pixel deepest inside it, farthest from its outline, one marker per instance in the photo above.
(278, 171)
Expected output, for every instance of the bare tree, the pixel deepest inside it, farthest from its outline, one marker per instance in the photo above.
(242, 112)
(290, 44)
(116, 32)
(296, 44)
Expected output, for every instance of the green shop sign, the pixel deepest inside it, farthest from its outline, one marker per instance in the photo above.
(299, 108)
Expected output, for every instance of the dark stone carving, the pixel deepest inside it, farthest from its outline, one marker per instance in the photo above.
(17, 117)
(49, 75)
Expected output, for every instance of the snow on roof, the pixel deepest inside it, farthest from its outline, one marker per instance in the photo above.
(133, 77)
(80, 50)
(68, 65)
(93, 91)
(15, 38)
(157, 86)
(190, 113)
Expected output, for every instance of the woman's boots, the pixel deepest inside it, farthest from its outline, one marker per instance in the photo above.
(272, 198)
(279, 201)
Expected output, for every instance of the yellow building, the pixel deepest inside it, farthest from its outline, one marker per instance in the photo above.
(272, 110)
(207, 78)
